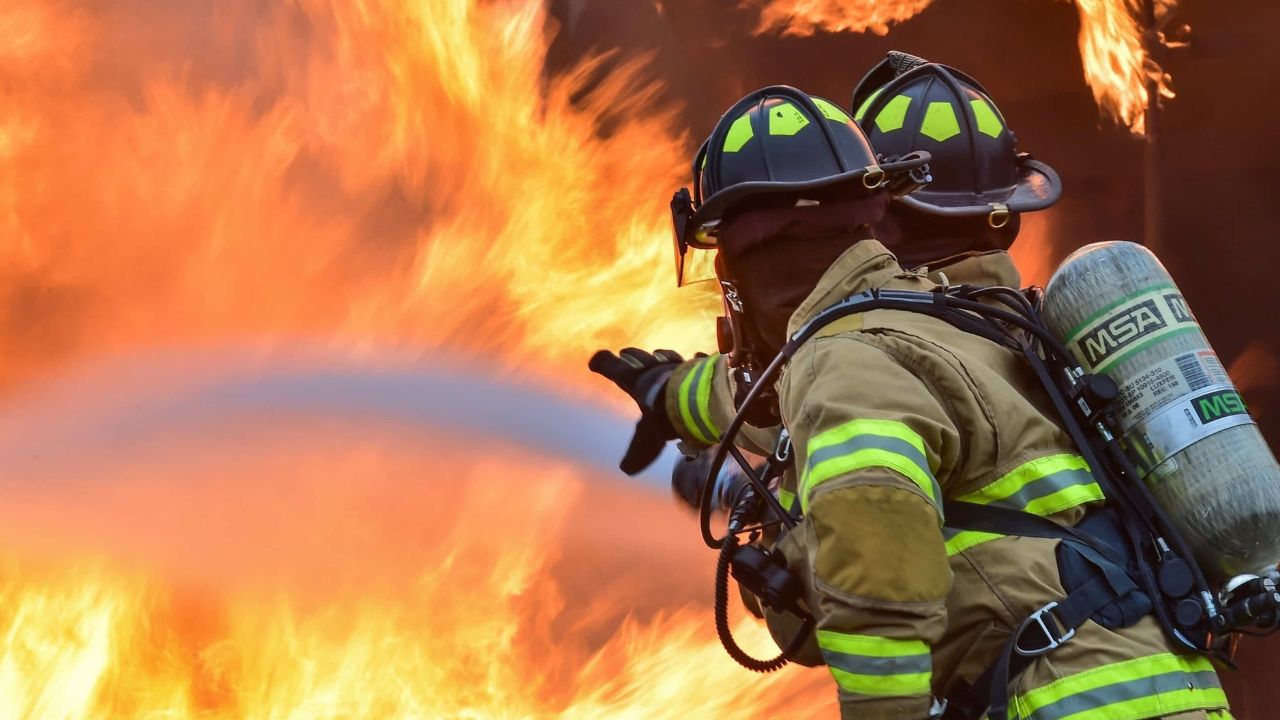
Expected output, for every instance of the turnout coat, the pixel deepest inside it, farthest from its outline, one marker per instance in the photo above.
(889, 413)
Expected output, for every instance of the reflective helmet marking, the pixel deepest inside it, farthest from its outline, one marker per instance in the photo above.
(940, 122)
(894, 114)
(988, 121)
(831, 110)
(786, 119)
(862, 109)
(739, 133)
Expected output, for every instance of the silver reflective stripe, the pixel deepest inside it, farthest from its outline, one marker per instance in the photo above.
(865, 665)
(878, 442)
(1094, 701)
(1044, 487)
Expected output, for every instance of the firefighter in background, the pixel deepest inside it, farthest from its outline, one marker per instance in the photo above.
(891, 412)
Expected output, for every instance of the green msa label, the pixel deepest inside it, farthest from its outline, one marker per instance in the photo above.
(1219, 404)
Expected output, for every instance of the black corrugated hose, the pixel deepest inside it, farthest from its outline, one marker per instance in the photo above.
(722, 619)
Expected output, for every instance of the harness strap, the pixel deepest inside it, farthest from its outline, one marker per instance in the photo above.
(1049, 627)
(1005, 521)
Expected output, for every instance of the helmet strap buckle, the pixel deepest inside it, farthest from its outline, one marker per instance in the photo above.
(874, 177)
(999, 215)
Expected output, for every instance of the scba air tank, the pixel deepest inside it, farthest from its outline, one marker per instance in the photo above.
(1182, 421)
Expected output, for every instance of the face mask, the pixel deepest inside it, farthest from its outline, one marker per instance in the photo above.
(918, 238)
(774, 255)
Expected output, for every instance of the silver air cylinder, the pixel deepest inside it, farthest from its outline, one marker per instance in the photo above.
(1182, 421)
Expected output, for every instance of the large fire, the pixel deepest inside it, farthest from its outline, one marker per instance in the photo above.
(398, 174)
(1113, 43)
(392, 171)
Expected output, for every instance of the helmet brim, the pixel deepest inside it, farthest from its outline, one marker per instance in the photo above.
(1038, 187)
(715, 207)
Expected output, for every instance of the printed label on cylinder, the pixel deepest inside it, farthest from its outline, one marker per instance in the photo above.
(1118, 331)
(1166, 382)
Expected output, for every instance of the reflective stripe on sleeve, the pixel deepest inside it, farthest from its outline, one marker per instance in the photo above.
(876, 666)
(786, 498)
(1151, 686)
(1043, 486)
(694, 400)
(861, 444)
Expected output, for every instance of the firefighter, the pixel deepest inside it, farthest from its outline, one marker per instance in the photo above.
(890, 413)
(981, 183)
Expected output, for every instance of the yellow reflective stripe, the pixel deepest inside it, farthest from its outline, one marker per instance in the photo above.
(1128, 676)
(786, 119)
(703, 406)
(1065, 498)
(786, 498)
(866, 443)
(1012, 482)
(888, 428)
(869, 645)
(682, 401)
(739, 133)
(965, 539)
(877, 666)
(882, 685)
(1154, 706)
(1043, 487)
(861, 460)
(862, 109)
(1221, 715)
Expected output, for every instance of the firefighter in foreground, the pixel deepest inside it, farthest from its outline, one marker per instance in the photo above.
(891, 412)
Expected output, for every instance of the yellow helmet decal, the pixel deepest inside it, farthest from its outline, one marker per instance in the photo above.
(739, 133)
(862, 109)
(786, 119)
(894, 114)
(831, 111)
(940, 122)
(988, 121)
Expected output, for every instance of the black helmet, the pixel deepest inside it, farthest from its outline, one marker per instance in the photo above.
(781, 140)
(906, 104)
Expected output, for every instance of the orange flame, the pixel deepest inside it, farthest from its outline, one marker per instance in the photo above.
(394, 173)
(805, 17)
(1117, 65)
(311, 609)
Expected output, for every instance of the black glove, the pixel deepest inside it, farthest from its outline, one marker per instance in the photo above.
(644, 377)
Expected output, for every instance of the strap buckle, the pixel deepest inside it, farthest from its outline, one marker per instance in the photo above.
(999, 215)
(1053, 638)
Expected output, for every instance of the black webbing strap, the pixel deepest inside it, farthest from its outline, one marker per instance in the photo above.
(1003, 521)
(1044, 630)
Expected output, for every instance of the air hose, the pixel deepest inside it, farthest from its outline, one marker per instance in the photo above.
(727, 549)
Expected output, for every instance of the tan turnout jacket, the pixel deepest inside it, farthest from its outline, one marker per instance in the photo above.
(890, 412)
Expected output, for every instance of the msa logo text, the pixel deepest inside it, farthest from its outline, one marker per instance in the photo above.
(1134, 323)
(1220, 404)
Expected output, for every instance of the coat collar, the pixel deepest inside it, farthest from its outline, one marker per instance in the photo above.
(865, 265)
(869, 264)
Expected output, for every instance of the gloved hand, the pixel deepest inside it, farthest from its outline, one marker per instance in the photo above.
(644, 377)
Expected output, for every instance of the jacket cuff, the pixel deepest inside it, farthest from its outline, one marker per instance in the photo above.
(689, 400)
